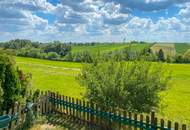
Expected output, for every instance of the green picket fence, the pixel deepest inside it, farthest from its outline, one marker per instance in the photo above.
(93, 114)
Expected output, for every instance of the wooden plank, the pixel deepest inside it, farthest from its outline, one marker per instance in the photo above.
(70, 107)
(162, 123)
(147, 121)
(63, 108)
(77, 112)
(176, 126)
(88, 114)
(184, 127)
(73, 109)
(67, 106)
(84, 113)
(141, 120)
(130, 118)
(155, 123)
(152, 118)
(135, 118)
(169, 125)
(80, 113)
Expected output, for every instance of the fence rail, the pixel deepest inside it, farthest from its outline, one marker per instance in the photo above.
(91, 114)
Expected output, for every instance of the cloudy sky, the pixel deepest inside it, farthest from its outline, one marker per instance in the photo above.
(95, 20)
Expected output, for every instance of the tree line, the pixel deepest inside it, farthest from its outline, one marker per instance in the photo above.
(63, 52)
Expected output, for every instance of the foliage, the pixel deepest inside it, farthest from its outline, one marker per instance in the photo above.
(134, 86)
(13, 82)
(52, 55)
(59, 48)
(186, 56)
(1, 97)
(160, 55)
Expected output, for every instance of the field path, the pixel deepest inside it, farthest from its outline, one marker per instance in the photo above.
(49, 66)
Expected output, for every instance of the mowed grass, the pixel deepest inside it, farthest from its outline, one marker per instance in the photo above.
(56, 76)
(53, 75)
(177, 97)
(181, 48)
(106, 47)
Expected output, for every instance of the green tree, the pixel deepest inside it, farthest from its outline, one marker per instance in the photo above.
(134, 86)
(12, 83)
(161, 55)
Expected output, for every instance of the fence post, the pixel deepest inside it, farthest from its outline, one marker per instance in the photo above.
(184, 127)
(176, 126)
(169, 125)
(141, 122)
(162, 123)
(152, 118)
(135, 119)
(67, 106)
(147, 122)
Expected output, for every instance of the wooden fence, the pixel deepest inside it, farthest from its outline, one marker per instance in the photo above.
(91, 114)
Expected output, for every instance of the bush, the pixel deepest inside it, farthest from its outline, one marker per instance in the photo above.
(134, 86)
(52, 55)
(186, 56)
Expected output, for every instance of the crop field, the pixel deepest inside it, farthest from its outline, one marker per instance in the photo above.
(181, 48)
(106, 47)
(169, 49)
(61, 77)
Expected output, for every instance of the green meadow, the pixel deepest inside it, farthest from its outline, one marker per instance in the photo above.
(106, 47)
(182, 47)
(61, 77)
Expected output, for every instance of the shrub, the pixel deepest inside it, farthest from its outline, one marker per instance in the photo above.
(186, 56)
(52, 55)
(134, 86)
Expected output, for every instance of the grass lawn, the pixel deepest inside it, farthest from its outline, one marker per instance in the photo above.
(53, 75)
(61, 77)
(181, 48)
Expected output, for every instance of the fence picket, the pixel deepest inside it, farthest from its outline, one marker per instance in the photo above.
(91, 113)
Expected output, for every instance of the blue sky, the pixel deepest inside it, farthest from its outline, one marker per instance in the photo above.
(95, 20)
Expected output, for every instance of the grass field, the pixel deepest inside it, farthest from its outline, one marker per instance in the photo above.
(106, 47)
(181, 48)
(53, 75)
(61, 77)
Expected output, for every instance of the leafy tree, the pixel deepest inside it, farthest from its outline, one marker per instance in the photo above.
(134, 86)
(59, 48)
(11, 83)
(161, 55)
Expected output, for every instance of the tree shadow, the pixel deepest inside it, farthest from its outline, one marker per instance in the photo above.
(69, 122)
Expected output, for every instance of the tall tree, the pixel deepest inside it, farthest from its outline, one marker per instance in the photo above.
(13, 82)
(161, 56)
